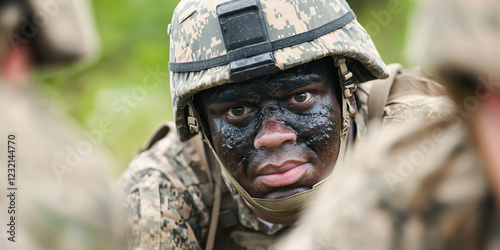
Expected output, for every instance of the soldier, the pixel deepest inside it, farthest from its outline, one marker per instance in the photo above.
(433, 186)
(272, 88)
(55, 191)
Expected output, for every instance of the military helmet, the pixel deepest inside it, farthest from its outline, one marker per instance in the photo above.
(10, 14)
(59, 32)
(468, 35)
(215, 42)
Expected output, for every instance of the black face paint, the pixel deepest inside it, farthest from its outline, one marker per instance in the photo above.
(277, 135)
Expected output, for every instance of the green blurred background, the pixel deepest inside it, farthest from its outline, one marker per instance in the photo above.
(134, 38)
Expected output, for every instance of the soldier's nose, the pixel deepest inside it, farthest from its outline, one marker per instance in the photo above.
(272, 134)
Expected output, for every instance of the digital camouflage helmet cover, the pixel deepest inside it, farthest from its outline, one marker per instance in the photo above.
(221, 42)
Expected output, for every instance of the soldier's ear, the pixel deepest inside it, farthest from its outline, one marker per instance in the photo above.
(354, 106)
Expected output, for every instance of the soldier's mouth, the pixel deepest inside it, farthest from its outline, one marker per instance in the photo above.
(285, 174)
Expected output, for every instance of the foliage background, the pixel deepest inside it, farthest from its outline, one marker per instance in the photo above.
(134, 37)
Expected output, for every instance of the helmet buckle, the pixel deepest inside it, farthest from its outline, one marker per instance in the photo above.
(191, 119)
(193, 125)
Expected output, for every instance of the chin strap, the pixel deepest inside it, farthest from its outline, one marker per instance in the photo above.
(293, 204)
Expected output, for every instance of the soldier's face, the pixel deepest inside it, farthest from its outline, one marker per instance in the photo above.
(279, 135)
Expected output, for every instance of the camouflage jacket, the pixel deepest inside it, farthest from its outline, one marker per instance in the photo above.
(170, 184)
(66, 195)
(423, 187)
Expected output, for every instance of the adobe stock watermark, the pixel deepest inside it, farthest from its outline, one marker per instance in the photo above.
(30, 27)
(406, 167)
(423, 148)
(122, 106)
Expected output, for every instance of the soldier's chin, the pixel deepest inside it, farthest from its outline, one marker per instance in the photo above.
(285, 193)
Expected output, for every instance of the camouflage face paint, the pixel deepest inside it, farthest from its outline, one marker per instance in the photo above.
(277, 135)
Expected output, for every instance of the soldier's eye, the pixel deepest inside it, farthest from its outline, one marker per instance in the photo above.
(300, 97)
(238, 110)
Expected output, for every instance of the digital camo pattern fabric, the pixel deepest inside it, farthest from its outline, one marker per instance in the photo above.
(421, 187)
(170, 209)
(195, 35)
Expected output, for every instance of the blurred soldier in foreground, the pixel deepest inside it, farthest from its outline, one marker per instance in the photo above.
(434, 186)
(272, 88)
(60, 196)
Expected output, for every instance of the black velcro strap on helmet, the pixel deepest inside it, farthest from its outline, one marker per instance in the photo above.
(247, 42)
(275, 45)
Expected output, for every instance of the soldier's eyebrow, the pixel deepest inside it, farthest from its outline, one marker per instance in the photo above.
(287, 84)
(234, 94)
(278, 86)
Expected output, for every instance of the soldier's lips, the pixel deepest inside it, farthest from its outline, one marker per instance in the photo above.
(285, 174)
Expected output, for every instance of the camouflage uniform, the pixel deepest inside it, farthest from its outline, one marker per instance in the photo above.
(172, 184)
(425, 186)
(64, 197)
(169, 192)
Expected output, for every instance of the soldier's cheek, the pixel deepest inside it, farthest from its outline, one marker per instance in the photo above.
(318, 128)
(233, 144)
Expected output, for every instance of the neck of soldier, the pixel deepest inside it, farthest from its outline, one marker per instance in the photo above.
(293, 218)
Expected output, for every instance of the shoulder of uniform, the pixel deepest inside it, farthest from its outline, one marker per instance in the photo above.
(415, 81)
(156, 155)
(181, 163)
(160, 132)
(407, 93)
(417, 95)
(406, 81)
